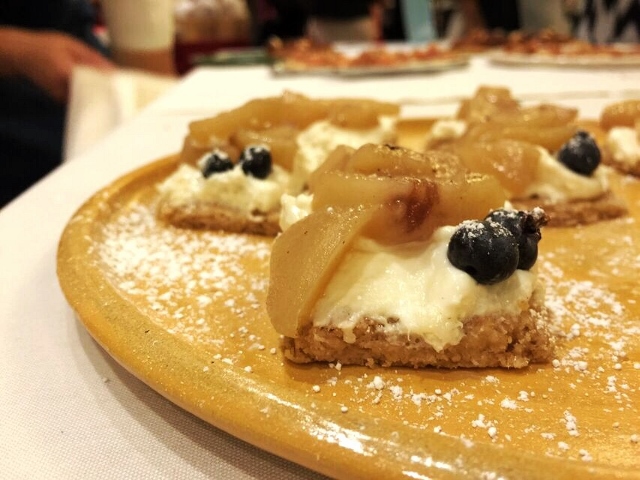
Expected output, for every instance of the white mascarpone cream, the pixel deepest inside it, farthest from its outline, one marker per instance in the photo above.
(294, 208)
(557, 183)
(414, 285)
(322, 137)
(624, 145)
(445, 130)
(232, 188)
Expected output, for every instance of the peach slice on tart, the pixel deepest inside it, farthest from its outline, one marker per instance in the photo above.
(486, 102)
(419, 191)
(493, 114)
(620, 114)
(550, 138)
(497, 105)
(303, 260)
(543, 115)
(513, 163)
(289, 108)
(280, 139)
(278, 120)
(384, 160)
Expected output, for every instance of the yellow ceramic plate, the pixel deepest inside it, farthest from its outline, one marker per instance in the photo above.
(183, 311)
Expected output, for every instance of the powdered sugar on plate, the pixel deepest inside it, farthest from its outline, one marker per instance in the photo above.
(184, 278)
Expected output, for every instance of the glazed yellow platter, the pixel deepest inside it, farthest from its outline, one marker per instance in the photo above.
(184, 311)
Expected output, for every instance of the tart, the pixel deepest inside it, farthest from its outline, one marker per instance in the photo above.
(542, 155)
(220, 184)
(546, 46)
(303, 55)
(385, 267)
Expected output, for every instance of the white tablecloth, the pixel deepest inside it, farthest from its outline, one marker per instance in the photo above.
(100, 101)
(67, 410)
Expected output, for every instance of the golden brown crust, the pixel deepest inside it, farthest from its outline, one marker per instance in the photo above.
(203, 215)
(577, 212)
(489, 341)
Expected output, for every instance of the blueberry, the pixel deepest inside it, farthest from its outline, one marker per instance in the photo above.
(256, 161)
(217, 162)
(485, 250)
(525, 227)
(580, 154)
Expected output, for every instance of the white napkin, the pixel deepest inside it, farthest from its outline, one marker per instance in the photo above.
(99, 101)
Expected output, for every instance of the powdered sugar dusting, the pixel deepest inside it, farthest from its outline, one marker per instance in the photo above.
(185, 279)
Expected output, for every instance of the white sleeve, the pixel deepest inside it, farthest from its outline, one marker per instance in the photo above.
(140, 24)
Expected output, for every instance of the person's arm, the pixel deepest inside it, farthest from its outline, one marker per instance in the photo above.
(141, 33)
(46, 58)
(471, 14)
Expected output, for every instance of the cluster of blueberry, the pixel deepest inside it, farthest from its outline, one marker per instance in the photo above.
(255, 160)
(491, 250)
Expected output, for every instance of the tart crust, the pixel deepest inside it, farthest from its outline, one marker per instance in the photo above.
(577, 212)
(212, 216)
(511, 341)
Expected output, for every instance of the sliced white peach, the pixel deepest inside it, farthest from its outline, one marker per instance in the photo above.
(551, 138)
(389, 160)
(303, 260)
(353, 115)
(620, 114)
(280, 139)
(416, 217)
(291, 109)
(336, 160)
(539, 116)
(288, 109)
(471, 199)
(513, 163)
(486, 102)
(343, 189)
